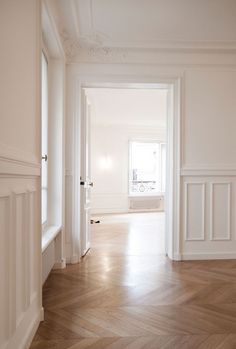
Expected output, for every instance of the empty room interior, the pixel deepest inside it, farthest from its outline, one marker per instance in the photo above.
(128, 166)
(117, 174)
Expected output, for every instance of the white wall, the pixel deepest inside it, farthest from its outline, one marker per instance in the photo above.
(110, 191)
(53, 232)
(208, 142)
(209, 164)
(20, 158)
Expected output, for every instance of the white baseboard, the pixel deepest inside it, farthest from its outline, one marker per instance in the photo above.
(60, 265)
(42, 314)
(177, 257)
(116, 211)
(74, 259)
(22, 339)
(102, 211)
(207, 256)
(31, 332)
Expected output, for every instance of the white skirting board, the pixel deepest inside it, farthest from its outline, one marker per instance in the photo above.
(206, 256)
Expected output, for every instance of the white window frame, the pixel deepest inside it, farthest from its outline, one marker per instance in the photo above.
(163, 178)
(160, 192)
(45, 223)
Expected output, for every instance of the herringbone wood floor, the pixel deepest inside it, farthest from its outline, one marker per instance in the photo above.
(124, 295)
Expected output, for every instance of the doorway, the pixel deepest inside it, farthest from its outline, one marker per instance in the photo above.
(143, 192)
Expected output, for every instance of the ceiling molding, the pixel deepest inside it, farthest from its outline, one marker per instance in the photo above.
(77, 52)
(83, 42)
(90, 48)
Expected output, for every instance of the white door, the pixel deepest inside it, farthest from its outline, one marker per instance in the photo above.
(85, 177)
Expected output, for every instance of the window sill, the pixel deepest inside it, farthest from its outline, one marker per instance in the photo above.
(49, 235)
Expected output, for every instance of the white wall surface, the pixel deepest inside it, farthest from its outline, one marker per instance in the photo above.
(20, 158)
(53, 230)
(210, 115)
(208, 142)
(110, 191)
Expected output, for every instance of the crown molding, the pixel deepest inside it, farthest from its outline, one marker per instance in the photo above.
(84, 43)
(82, 52)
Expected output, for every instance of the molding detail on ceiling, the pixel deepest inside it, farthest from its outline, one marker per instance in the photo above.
(89, 48)
(84, 40)
(103, 54)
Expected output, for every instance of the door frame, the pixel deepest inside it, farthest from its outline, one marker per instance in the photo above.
(172, 227)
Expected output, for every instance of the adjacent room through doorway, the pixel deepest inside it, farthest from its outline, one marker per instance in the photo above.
(128, 130)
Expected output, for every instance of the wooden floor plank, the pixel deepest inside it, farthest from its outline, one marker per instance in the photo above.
(125, 294)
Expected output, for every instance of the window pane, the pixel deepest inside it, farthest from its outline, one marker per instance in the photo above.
(44, 137)
(145, 172)
(163, 167)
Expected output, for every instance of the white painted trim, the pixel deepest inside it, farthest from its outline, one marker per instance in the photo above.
(24, 335)
(176, 120)
(49, 235)
(29, 335)
(16, 155)
(212, 184)
(47, 13)
(219, 170)
(174, 130)
(14, 162)
(186, 186)
(177, 257)
(60, 265)
(42, 314)
(74, 259)
(123, 52)
(207, 256)
(173, 45)
(105, 211)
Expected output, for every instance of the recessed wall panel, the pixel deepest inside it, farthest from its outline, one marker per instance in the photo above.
(194, 211)
(4, 268)
(220, 211)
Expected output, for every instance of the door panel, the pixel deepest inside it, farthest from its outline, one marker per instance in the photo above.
(86, 183)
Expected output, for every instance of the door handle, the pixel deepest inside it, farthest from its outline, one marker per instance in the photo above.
(85, 183)
(45, 157)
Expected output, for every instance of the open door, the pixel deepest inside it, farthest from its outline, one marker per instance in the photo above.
(85, 177)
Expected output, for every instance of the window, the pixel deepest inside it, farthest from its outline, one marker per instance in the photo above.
(147, 168)
(44, 139)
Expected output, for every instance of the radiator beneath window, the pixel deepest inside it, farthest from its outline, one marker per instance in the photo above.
(146, 203)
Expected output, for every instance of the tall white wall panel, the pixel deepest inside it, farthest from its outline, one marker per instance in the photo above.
(20, 231)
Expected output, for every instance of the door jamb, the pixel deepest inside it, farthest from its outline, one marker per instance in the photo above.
(173, 151)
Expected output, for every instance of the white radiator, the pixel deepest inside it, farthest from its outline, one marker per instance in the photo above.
(147, 203)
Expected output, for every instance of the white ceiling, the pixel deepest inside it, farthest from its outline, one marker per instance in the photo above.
(128, 106)
(147, 23)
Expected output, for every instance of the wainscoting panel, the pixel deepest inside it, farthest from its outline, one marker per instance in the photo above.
(194, 211)
(21, 248)
(33, 242)
(208, 222)
(220, 211)
(20, 260)
(68, 207)
(4, 268)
